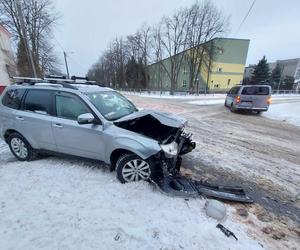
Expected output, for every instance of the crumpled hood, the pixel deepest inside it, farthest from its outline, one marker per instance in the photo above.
(167, 119)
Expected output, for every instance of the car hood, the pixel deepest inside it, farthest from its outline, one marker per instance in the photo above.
(166, 119)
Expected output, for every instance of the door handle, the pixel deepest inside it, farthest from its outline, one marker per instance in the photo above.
(57, 125)
(20, 118)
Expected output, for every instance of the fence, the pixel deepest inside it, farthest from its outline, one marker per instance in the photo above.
(185, 93)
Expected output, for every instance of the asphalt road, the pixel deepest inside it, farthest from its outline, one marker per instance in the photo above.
(259, 154)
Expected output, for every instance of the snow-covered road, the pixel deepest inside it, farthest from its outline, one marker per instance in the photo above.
(287, 112)
(56, 203)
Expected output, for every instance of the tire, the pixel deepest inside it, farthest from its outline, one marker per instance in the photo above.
(20, 147)
(131, 168)
(225, 105)
(258, 112)
(232, 108)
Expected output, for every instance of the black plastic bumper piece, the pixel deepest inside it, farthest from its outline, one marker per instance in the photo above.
(185, 187)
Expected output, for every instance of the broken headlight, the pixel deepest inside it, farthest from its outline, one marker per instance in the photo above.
(170, 150)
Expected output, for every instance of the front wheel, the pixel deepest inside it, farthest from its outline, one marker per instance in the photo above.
(132, 168)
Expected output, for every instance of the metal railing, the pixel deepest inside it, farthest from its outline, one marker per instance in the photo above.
(186, 93)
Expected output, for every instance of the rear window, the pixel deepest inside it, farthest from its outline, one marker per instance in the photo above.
(38, 101)
(256, 90)
(12, 98)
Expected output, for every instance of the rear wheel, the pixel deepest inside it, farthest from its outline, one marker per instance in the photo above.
(132, 168)
(232, 109)
(20, 147)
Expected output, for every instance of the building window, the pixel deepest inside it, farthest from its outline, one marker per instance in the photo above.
(184, 83)
(221, 51)
(219, 69)
(184, 70)
(216, 86)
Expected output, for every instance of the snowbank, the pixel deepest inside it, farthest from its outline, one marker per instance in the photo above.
(208, 101)
(289, 112)
(180, 96)
(68, 204)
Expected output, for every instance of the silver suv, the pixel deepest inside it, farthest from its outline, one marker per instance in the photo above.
(89, 121)
(249, 97)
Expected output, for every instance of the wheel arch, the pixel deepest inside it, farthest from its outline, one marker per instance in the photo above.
(123, 145)
(115, 155)
(9, 132)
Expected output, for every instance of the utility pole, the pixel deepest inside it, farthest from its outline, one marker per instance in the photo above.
(280, 79)
(28, 52)
(66, 63)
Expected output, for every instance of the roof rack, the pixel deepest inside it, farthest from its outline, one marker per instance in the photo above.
(59, 80)
(56, 77)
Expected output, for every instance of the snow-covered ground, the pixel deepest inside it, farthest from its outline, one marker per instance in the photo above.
(208, 99)
(56, 203)
(288, 112)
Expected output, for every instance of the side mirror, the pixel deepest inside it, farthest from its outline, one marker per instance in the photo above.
(87, 118)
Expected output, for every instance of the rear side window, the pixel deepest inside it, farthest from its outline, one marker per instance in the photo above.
(234, 90)
(70, 108)
(12, 98)
(256, 90)
(38, 101)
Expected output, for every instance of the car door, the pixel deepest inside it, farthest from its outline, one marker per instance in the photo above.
(84, 140)
(34, 119)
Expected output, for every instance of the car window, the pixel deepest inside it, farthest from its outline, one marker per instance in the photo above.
(234, 90)
(12, 98)
(38, 101)
(111, 104)
(256, 90)
(70, 107)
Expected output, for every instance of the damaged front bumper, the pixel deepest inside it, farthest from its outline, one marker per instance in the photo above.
(171, 182)
(170, 156)
(181, 186)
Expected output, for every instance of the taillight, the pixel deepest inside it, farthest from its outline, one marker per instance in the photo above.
(238, 99)
(269, 100)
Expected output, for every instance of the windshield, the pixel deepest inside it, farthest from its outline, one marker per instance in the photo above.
(111, 104)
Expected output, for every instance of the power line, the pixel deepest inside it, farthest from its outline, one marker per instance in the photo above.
(246, 16)
(58, 43)
(67, 55)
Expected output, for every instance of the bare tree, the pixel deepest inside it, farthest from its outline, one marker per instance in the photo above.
(205, 23)
(40, 19)
(138, 46)
(181, 38)
(157, 52)
(173, 40)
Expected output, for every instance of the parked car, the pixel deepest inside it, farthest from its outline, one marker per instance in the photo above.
(249, 97)
(92, 122)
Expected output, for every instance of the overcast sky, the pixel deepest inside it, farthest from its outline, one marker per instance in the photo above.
(86, 27)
